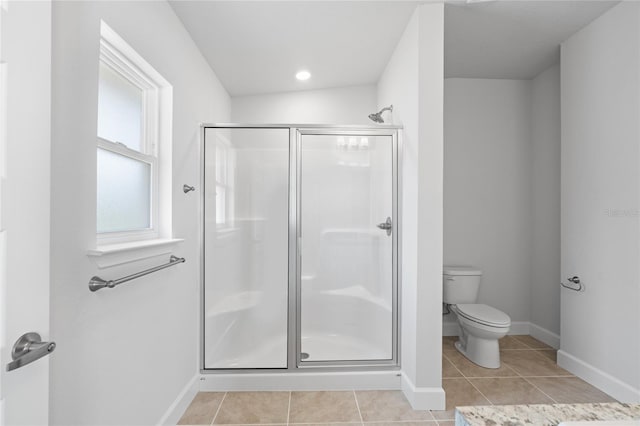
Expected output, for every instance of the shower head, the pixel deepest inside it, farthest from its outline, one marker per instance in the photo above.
(377, 117)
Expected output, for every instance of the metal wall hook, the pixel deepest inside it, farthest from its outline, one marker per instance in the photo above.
(573, 280)
(186, 188)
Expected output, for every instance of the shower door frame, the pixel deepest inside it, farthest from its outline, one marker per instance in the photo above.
(294, 329)
(392, 132)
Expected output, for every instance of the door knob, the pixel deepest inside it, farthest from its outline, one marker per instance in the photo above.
(386, 225)
(28, 348)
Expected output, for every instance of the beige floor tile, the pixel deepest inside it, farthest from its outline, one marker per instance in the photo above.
(510, 391)
(510, 342)
(532, 342)
(459, 392)
(253, 408)
(447, 343)
(420, 423)
(323, 407)
(570, 390)
(552, 354)
(448, 369)
(387, 405)
(531, 364)
(327, 424)
(446, 423)
(202, 409)
(469, 369)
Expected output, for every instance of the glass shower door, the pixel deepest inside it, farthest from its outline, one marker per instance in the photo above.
(347, 286)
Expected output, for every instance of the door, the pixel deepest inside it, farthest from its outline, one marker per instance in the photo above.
(25, 134)
(347, 239)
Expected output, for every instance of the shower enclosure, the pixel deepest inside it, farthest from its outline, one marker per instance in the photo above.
(300, 247)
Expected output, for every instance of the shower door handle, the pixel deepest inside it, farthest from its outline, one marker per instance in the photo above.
(386, 225)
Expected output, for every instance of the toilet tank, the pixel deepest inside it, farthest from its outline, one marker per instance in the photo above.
(460, 284)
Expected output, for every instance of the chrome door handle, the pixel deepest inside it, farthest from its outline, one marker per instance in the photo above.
(386, 225)
(28, 348)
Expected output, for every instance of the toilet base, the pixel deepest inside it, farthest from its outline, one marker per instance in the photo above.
(483, 352)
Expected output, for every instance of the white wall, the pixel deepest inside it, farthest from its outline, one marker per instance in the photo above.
(123, 354)
(545, 202)
(600, 327)
(413, 83)
(344, 105)
(25, 166)
(487, 181)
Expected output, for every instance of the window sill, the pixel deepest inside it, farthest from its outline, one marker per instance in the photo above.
(110, 255)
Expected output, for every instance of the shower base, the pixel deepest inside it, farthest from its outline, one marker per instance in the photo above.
(324, 347)
(300, 380)
(319, 347)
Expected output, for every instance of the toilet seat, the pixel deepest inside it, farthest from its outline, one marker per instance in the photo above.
(483, 314)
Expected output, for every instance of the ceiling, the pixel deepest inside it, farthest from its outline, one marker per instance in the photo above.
(511, 39)
(256, 47)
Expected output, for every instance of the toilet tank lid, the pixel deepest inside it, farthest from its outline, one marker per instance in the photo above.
(461, 270)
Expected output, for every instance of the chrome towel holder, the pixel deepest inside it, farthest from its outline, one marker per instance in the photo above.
(96, 283)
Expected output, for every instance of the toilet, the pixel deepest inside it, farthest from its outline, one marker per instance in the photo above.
(480, 325)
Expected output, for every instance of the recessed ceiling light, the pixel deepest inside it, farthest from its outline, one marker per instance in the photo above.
(303, 75)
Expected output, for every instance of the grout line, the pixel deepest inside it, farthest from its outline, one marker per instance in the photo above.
(543, 392)
(219, 407)
(476, 388)
(456, 367)
(289, 408)
(358, 406)
(515, 336)
(433, 418)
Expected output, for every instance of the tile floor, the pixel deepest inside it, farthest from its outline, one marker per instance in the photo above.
(528, 375)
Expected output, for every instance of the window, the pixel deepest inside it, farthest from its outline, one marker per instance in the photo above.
(133, 148)
(225, 166)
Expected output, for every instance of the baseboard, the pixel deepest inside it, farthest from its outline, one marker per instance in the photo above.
(423, 398)
(520, 328)
(621, 391)
(517, 327)
(545, 336)
(179, 406)
(301, 381)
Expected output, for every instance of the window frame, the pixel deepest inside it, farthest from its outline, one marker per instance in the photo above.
(124, 61)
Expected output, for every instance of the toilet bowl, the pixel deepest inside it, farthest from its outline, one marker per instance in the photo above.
(481, 326)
